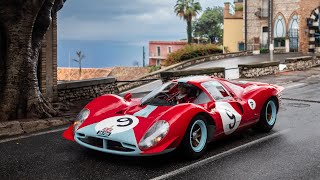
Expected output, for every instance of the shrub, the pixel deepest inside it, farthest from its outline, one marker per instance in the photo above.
(264, 50)
(192, 51)
(154, 68)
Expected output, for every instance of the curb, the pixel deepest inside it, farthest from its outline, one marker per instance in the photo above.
(11, 128)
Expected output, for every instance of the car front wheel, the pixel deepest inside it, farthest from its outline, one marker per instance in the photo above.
(194, 142)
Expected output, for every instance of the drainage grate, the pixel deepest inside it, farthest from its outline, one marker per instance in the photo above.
(298, 105)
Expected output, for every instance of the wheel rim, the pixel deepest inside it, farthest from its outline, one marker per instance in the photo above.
(198, 135)
(271, 113)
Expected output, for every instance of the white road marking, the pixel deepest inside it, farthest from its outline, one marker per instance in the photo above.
(31, 135)
(219, 156)
(295, 85)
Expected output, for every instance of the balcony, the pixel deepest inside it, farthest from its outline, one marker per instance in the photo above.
(262, 13)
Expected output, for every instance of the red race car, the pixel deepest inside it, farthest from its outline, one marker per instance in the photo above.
(182, 114)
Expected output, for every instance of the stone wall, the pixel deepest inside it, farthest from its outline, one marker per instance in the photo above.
(171, 75)
(86, 89)
(156, 75)
(301, 63)
(258, 69)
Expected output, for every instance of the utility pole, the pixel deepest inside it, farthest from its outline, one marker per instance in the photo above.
(144, 57)
(271, 46)
(246, 24)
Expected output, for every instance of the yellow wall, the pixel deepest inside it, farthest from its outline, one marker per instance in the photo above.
(232, 34)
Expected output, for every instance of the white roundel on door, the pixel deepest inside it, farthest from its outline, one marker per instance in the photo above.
(252, 104)
(116, 124)
(230, 117)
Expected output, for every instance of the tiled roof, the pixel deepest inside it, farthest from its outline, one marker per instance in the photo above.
(121, 73)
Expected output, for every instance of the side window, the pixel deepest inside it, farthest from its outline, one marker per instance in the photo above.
(216, 90)
(202, 98)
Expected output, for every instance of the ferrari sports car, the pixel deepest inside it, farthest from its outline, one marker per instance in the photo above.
(184, 114)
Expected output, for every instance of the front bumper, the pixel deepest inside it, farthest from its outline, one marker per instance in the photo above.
(120, 144)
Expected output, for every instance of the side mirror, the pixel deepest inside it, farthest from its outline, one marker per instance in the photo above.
(211, 105)
(127, 97)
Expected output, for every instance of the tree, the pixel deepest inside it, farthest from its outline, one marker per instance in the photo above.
(80, 57)
(23, 24)
(209, 25)
(187, 9)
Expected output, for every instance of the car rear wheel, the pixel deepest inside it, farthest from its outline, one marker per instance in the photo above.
(268, 116)
(194, 142)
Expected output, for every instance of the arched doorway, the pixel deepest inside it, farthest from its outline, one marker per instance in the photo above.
(294, 33)
(314, 31)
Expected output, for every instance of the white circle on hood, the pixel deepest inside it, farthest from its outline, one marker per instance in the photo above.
(116, 124)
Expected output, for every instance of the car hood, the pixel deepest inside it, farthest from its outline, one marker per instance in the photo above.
(123, 124)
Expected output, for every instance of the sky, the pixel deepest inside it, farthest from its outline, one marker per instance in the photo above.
(113, 32)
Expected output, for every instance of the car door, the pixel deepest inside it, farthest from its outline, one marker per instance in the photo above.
(229, 109)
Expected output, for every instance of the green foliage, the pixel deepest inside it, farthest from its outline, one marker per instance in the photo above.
(154, 68)
(192, 51)
(264, 50)
(209, 25)
(187, 9)
(239, 8)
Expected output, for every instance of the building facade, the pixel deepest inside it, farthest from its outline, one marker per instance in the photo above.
(295, 25)
(233, 39)
(159, 50)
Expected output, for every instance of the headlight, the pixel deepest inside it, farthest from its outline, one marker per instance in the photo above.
(154, 134)
(82, 116)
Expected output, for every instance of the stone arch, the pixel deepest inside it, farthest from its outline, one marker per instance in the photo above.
(315, 14)
(314, 29)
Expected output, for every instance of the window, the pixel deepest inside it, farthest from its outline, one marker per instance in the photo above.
(279, 27)
(294, 32)
(158, 51)
(265, 29)
(169, 49)
(279, 32)
(158, 62)
(294, 22)
(216, 90)
(265, 8)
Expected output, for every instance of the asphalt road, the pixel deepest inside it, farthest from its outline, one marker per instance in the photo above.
(290, 151)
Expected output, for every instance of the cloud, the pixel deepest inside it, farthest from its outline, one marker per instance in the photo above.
(134, 21)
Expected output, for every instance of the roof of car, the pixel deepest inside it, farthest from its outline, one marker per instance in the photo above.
(198, 79)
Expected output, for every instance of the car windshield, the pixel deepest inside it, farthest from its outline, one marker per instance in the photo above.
(172, 93)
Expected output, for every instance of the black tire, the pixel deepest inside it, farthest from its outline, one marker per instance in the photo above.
(268, 116)
(194, 147)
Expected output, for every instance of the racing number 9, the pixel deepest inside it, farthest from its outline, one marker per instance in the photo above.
(232, 117)
(128, 122)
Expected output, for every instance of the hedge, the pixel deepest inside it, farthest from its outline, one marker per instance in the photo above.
(192, 51)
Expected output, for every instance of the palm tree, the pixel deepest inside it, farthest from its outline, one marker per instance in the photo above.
(187, 9)
(80, 57)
